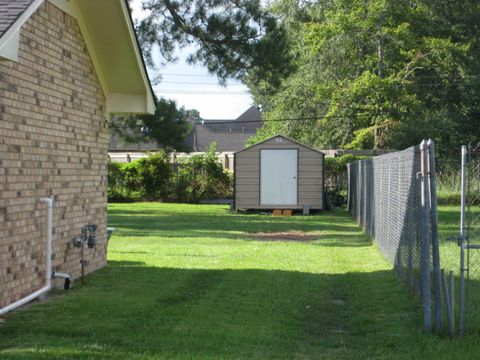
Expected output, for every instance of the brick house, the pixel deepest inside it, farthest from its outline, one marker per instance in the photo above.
(65, 67)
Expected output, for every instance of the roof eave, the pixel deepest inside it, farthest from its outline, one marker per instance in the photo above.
(124, 79)
(10, 40)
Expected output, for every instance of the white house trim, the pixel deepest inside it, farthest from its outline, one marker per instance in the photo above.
(126, 85)
(9, 42)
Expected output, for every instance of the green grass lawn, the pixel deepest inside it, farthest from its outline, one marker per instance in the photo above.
(189, 282)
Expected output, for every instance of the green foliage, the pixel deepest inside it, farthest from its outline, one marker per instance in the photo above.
(122, 182)
(377, 74)
(199, 177)
(338, 165)
(202, 177)
(168, 126)
(335, 181)
(154, 176)
(232, 37)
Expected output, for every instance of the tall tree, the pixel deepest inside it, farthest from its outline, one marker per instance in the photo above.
(377, 73)
(168, 126)
(230, 36)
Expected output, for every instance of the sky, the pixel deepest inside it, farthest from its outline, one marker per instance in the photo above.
(192, 87)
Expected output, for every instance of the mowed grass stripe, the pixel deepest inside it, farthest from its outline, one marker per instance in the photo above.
(189, 282)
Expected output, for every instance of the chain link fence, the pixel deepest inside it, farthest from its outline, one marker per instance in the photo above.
(469, 313)
(393, 198)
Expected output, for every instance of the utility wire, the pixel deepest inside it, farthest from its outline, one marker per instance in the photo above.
(196, 83)
(413, 77)
(184, 75)
(235, 121)
(434, 86)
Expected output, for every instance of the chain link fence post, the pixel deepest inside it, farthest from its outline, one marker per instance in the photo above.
(426, 291)
(437, 287)
(461, 300)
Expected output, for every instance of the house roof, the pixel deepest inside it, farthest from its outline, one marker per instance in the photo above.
(10, 11)
(112, 45)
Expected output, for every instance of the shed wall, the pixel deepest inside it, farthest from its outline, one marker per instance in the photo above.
(53, 142)
(247, 176)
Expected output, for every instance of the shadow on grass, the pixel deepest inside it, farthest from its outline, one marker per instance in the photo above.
(128, 310)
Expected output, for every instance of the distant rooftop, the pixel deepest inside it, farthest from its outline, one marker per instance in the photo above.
(230, 135)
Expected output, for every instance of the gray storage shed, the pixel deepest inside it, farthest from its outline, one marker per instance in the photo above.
(278, 173)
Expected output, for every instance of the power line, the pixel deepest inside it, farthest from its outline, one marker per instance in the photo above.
(215, 122)
(235, 121)
(198, 92)
(195, 83)
(183, 75)
(207, 75)
(246, 92)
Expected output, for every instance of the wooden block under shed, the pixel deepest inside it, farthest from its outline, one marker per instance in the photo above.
(277, 212)
(288, 212)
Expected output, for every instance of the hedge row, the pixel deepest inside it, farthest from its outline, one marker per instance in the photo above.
(154, 178)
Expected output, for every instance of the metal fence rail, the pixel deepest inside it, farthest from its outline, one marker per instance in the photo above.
(393, 198)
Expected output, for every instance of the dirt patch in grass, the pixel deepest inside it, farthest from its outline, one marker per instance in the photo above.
(298, 236)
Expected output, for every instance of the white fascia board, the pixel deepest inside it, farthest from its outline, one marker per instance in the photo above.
(150, 103)
(9, 49)
(128, 103)
(9, 42)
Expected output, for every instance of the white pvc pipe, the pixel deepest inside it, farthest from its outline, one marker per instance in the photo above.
(60, 275)
(48, 264)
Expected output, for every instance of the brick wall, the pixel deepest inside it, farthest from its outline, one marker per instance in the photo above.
(53, 142)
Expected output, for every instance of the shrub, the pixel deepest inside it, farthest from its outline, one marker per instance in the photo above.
(202, 177)
(153, 175)
(336, 182)
(115, 180)
(120, 178)
(338, 165)
(198, 177)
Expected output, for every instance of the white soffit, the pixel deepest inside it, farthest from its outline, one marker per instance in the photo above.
(110, 38)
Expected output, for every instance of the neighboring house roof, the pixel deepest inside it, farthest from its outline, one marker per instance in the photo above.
(110, 38)
(201, 138)
(249, 121)
(230, 135)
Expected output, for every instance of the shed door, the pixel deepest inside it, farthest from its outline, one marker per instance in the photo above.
(278, 177)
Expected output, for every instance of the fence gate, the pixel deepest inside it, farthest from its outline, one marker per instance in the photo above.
(469, 297)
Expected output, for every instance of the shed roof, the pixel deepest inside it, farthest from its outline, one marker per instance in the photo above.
(112, 45)
(283, 137)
